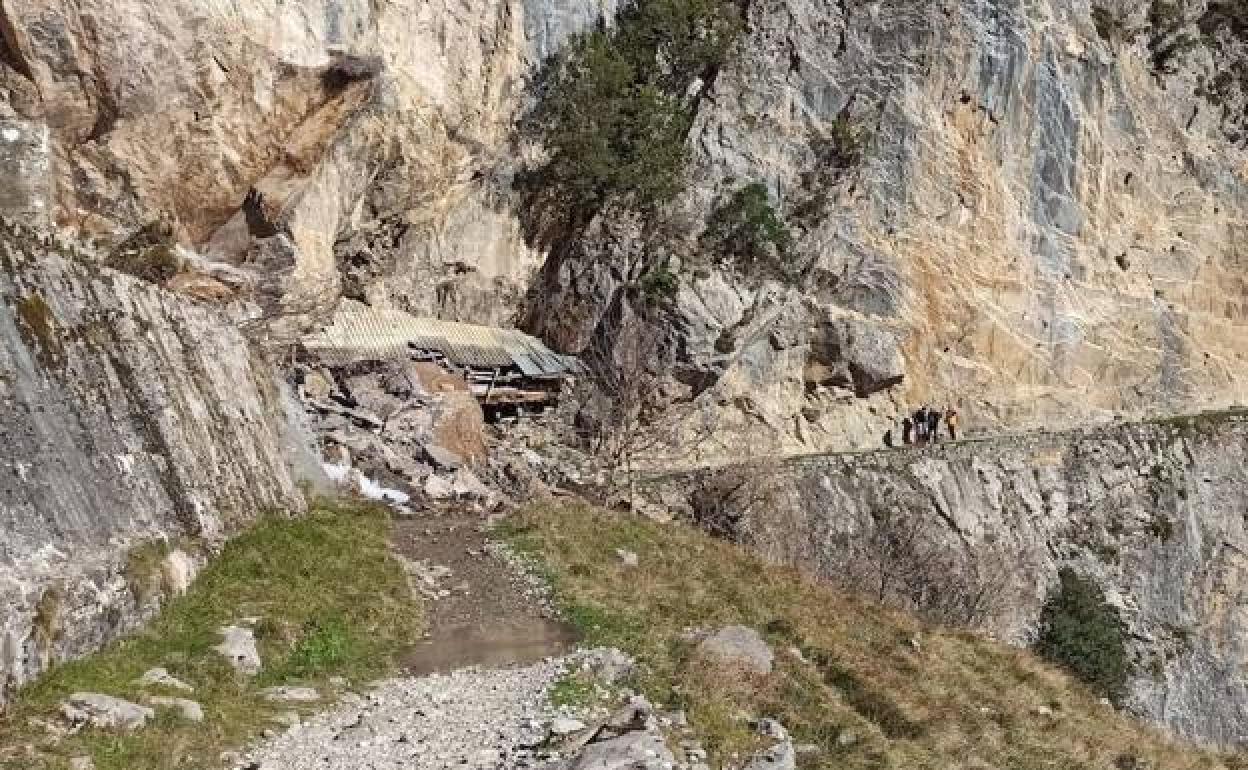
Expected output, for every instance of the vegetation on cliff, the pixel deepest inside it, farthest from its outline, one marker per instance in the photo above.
(1081, 631)
(746, 228)
(614, 108)
(330, 601)
(868, 687)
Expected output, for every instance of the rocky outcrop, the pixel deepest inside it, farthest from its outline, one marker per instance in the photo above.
(298, 150)
(141, 430)
(1009, 206)
(1153, 512)
(1034, 212)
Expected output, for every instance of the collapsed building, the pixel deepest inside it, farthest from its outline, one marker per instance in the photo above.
(400, 403)
(508, 371)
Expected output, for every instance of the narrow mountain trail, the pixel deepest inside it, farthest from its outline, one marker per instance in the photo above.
(475, 690)
(482, 611)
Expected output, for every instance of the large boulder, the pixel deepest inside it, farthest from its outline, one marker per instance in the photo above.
(105, 711)
(238, 646)
(739, 646)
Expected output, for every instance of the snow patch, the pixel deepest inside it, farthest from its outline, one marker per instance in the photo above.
(348, 476)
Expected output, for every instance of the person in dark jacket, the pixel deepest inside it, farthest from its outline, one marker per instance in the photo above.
(907, 431)
(920, 426)
(933, 424)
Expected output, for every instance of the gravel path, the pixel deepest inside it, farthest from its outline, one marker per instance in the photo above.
(475, 696)
(468, 719)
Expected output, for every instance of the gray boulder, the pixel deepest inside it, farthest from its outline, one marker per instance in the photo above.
(640, 750)
(438, 488)
(739, 645)
(238, 645)
(442, 459)
(105, 711)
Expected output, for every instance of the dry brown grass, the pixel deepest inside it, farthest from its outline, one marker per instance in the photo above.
(910, 695)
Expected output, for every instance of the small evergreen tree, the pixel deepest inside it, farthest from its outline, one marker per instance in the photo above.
(614, 108)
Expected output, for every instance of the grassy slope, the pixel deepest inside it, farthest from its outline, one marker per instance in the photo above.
(912, 696)
(331, 600)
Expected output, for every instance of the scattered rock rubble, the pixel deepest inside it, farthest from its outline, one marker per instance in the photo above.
(474, 718)
(412, 435)
(466, 719)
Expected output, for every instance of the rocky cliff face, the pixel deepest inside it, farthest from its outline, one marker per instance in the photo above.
(1045, 224)
(1039, 218)
(140, 430)
(1155, 513)
(300, 150)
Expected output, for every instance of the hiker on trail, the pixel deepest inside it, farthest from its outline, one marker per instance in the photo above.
(907, 429)
(920, 426)
(933, 424)
(888, 438)
(951, 422)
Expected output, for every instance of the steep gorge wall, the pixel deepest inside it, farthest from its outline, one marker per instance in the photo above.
(298, 150)
(1046, 227)
(1156, 513)
(139, 430)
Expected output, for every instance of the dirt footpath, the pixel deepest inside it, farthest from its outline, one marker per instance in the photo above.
(483, 613)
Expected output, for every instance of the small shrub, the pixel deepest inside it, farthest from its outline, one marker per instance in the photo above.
(747, 229)
(1161, 527)
(48, 623)
(149, 254)
(847, 145)
(1084, 634)
(659, 283)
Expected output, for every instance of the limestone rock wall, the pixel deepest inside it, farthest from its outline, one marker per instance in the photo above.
(139, 430)
(300, 149)
(1156, 513)
(1046, 227)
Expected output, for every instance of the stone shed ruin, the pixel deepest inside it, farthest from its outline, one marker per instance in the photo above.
(508, 371)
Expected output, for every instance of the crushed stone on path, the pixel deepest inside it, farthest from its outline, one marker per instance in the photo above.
(470, 718)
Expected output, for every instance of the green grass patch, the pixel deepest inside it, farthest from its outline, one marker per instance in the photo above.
(330, 599)
(849, 677)
(574, 690)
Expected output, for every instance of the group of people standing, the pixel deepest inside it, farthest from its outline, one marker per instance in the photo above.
(923, 427)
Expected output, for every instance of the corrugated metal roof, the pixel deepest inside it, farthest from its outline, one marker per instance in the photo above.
(357, 334)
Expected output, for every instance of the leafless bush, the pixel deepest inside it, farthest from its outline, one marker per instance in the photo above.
(629, 414)
(909, 559)
(897, 555)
